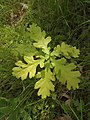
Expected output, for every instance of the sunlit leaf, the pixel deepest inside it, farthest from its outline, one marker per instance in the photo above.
(39, 37)
(65, 73)
(65, 50)
(45, 84)
(22, 70)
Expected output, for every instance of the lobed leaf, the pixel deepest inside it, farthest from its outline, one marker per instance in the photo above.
(22, 70)
(65, 73)
(24, 49)
(45, 84)
(39, 37)
(43, 44)
(35, 32)
(65, 50)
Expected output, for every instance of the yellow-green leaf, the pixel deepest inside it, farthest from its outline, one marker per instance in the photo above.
(39, 37)
(29, 68)
(35, 32)
(65, 50)
(66, 73)
(45, 84)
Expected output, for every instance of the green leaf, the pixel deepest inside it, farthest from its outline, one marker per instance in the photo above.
(39, 37)
(35, 32)
(65, 50)
(66, 73)
(23, 69)
(45, 84)
(43, 44)
(24, 49)
(56, 51)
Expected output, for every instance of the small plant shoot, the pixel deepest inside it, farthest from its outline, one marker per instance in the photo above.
(53, 64)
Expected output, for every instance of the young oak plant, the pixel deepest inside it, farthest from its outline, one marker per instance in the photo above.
(53, 64)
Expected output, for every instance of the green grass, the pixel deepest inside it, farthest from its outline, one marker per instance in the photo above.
(63, 20)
